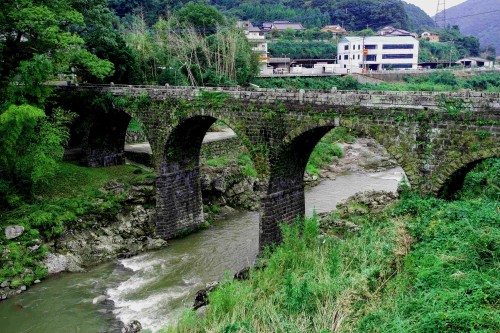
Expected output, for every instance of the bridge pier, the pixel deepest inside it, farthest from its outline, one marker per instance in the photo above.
(276, 208)
(179, 204)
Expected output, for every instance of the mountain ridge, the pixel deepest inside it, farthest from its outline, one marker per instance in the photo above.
(478, 18)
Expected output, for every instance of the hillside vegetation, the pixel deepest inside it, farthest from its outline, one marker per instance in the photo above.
(484, 26)
(353, 14)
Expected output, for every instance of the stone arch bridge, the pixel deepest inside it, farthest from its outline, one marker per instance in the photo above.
(435, 137)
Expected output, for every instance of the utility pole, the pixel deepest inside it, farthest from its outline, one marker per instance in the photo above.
(451, 46)
(440, 17)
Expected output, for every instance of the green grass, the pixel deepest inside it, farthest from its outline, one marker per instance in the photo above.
(134, 126)
(326, 149)
(242, 159)
(422, 265)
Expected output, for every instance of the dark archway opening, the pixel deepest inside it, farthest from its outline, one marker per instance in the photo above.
(462, 181)
(182, 178)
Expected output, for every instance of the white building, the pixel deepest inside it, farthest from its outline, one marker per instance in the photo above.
(257, 40)
(377, 53)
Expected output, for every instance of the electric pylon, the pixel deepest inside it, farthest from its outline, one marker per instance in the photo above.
(440, 18)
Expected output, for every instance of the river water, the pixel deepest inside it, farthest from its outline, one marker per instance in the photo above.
(154, 287)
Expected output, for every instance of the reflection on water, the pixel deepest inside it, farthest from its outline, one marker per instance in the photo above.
(153, 287)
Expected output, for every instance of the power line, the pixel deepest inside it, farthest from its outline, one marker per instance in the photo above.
(491, 11)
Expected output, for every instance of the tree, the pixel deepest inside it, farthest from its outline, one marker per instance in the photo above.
(44, 28)
(105, 42)
(31, 145)
(203, 18)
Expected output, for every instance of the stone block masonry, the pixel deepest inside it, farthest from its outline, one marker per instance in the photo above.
(179, 204)
(433, 136)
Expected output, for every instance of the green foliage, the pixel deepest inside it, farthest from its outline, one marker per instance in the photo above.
(435, 81)
(75, 200)
(32, 144)
(40, 40)
(326, 83)
(201, 17)
(484, 181)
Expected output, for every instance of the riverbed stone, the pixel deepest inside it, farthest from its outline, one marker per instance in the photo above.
(13, 231)
(57, 263)
(4, 284)
(201, 298)
(132, 327)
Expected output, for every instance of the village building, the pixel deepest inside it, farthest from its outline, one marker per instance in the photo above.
(257, 40)
(357, 54)
(389, 31)
(336, 30)
(429, 36)
(282, 26)
(475, 62)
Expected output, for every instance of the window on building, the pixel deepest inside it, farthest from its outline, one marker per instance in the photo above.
(397, 46)
(346, 57)
(371, 47)
(346, 47)
(359, 47)
(340, 57)
(397, 56)
(371, 57)
(358, 56)
(396, 66)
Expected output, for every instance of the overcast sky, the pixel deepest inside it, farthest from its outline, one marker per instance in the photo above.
(430, 6)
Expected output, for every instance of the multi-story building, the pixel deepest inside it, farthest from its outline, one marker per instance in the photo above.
(256, 39)
(377, 53)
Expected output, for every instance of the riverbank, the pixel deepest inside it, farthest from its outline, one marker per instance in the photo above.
(420, 265)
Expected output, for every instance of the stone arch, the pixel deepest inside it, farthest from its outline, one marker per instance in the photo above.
(104, 143)
(284, 200)
(364, 128)
(452, 177)
(178, 198)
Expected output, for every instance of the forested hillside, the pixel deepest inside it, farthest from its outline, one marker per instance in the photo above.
(419, 20)
(478, 18)
(353, 14)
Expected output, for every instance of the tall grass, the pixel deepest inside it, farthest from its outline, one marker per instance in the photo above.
(423, 265)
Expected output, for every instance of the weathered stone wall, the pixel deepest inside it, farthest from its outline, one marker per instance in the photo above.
(178, 202)
(431, 135)
(218, 148)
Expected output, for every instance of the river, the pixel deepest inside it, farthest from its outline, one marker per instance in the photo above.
(154, 287)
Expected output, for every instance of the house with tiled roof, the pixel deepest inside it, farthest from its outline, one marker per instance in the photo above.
(429, 36)
(391, 31)
(282, 26)
(336, 30)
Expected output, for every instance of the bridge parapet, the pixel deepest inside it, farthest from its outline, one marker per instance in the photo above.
(409, 100)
